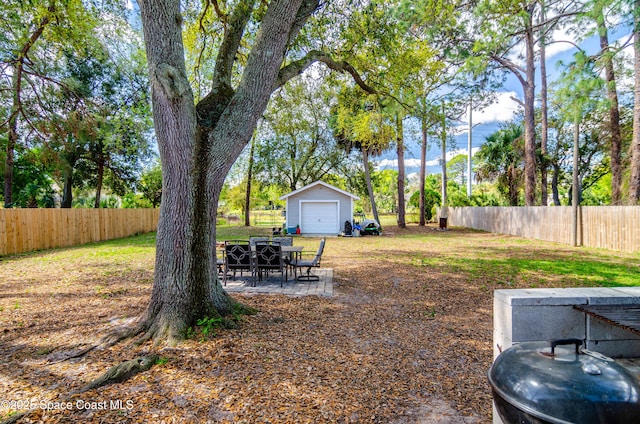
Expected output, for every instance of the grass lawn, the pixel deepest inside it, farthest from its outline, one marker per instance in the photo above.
(406, 338)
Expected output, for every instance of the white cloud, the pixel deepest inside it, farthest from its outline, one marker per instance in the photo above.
(560, 42)
(502, 110)
(415, 163)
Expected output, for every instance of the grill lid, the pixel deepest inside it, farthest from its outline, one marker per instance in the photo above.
(562, 384)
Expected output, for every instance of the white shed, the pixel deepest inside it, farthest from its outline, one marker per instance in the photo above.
(319, 208)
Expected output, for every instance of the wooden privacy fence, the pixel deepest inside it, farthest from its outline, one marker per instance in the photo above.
(25, 230)
(608, 227)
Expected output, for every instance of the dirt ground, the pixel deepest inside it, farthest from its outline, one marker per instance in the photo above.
(405, 339)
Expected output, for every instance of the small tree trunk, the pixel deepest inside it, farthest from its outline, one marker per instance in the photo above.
(12, 140)
(67, 189)
(247, 197)
(443, 145)
(100, 178)
(8, 162)
(575, 193)
(614, 114)
(423, 174)
(544, 118)
(529, 122)
(401, 172)
(554, 184)
(367, 177)
(634, 183)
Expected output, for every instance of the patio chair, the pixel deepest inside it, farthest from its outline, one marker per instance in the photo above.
(255, 239)
(268, 257)
(285, 241)
(309, 263)
(237, 257)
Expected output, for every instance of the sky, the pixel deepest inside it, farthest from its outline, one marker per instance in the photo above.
(489, 119)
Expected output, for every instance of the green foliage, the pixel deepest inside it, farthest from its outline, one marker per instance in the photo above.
(151, 185)
(208, 326)
(135, 201)
(432, 198)
(294, 145)
(500, 159)
(31, 180)
(83, 96)
(580, 90)
(359, 123)
(162, 360)
(457, 168)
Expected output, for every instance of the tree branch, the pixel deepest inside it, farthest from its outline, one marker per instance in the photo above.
(230, 44)
(299, 66)
(306, 10)
(515, 69)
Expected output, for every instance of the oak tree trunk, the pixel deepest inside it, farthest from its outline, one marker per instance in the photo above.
(198, 145)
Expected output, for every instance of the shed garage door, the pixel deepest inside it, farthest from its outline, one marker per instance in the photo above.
(319, 217)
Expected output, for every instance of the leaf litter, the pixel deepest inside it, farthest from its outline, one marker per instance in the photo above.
(403, 340)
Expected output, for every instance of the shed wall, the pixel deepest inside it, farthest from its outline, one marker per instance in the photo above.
(319, 194)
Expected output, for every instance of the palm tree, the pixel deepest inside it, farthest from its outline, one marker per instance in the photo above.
(358, 123)
(500, 159)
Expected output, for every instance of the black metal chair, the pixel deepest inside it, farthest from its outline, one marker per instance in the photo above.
(285, 241)
(268, 257)
(237, 257)
(309, 263)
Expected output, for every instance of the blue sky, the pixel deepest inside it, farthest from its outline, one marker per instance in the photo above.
(488, 120)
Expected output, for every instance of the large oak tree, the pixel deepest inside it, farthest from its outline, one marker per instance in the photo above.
(199, 143)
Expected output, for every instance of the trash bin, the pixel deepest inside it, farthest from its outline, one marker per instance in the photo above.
(443, 223)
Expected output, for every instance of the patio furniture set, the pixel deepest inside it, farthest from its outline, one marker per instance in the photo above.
(260, 256)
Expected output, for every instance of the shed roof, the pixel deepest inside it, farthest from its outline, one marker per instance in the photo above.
(314, 184)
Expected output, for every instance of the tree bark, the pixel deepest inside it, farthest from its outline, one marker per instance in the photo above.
(12, 140)
(554, 184)
(443, 145)
(575, 187)
(634, 183)
(198, 145)
(423, 173)
(401, 171)
(528, 87)
(544, 118)
(70, 160)
(100, 163)
(529, 119)
(16, 106)
(614, 113)
(247, 197)
(367, 177)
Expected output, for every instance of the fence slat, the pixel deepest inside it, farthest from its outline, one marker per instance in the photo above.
(24, 230)
(608, 227)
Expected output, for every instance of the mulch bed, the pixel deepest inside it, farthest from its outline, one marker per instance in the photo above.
(400, 342)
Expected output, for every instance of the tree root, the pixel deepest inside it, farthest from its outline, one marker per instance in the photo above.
(14, 418)
(107, 341)
(116, 374)
(121, 372)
